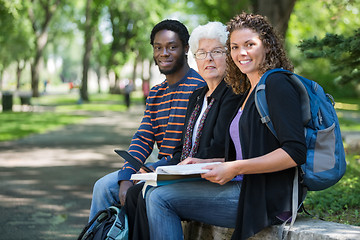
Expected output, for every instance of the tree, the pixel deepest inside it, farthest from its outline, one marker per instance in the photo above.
(15, 38)
(315, 20)
(92, 16)
(343, 53)
(277, 11)
(131, 31)
(40, 13)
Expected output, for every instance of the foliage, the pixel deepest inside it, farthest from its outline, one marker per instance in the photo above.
(343, 53)
(130, 31)
(221, 11)
(316, 19)
(15, 36)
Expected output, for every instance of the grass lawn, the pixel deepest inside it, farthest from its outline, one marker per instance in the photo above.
(341, 202)
(15, 125)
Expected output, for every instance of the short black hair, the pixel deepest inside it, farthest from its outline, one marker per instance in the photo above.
(172, 25)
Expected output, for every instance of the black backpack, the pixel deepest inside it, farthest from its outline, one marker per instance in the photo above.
(110, 223)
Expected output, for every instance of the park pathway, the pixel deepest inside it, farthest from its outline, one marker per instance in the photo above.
(46, 179)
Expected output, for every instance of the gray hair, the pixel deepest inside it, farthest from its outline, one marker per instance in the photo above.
(211, 30)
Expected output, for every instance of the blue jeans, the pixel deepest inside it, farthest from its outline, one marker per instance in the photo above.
(105, 193)
(201, 201)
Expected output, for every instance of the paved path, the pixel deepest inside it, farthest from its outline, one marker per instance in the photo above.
(46, 179)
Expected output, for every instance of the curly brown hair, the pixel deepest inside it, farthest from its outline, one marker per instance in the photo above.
(275, 56)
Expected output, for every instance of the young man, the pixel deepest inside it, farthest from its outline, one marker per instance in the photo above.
(164, 116)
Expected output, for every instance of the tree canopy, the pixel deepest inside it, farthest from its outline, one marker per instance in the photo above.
(104, 35)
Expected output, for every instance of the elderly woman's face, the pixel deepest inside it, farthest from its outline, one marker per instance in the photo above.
(247, 50)
(213, 66)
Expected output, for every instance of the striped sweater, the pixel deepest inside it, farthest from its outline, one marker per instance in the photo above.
(163, 121)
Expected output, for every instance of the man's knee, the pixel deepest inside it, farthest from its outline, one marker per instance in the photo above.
(104, 184)
(101, 184)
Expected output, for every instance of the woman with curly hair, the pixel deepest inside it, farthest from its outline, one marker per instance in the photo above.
(264, 165)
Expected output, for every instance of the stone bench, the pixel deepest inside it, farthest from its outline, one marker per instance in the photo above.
(303, 229)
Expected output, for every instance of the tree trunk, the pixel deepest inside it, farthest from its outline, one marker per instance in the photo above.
(41, 41)
(86, 58)
(277, 11)
(19, 69)
(35, 69)
(1, 78)
(98, 75)
(40, 30)
(134, 68)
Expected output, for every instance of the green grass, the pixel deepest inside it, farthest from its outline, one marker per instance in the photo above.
(341, 202)
(348, 125)
(15, 125)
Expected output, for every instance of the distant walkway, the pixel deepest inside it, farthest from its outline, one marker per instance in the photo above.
(46, 179)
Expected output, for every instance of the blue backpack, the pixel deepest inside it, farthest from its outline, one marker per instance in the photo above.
(108, 224)
(325, 161)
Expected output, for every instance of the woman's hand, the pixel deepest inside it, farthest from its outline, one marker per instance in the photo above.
(219, 173)
(190, 160)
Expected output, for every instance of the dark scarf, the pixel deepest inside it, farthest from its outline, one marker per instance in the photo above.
(189, 150)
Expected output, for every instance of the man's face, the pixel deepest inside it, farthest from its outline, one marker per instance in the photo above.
(169, 53)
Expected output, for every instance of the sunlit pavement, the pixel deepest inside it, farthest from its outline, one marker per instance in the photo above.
(46, 180)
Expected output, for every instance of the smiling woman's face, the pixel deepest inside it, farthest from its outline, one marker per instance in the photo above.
(211, 69)
(247, 51)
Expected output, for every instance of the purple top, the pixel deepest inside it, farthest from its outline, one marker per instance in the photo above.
(235, 137)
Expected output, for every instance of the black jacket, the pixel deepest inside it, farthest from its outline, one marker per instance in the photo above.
(265, 196)
(212, 140)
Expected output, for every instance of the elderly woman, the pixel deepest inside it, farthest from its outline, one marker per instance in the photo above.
(210, 108)
(267, 164)
(209, 112)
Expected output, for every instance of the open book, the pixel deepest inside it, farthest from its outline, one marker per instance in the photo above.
(170, 174)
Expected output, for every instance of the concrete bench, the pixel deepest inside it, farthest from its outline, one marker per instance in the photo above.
(303, 229)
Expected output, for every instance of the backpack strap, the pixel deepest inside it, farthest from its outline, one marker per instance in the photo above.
(282, 233)
(304, 98)
(120, 224)
(262, 107)
(261, 103)
(98, 218)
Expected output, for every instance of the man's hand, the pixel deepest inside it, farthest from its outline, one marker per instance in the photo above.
(142, 171)
(124, 186)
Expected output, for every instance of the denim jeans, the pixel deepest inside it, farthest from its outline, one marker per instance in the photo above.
(105, 193)
(201, 201)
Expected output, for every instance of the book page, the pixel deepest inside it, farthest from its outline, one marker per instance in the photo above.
(144, 176)
(184, 169)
